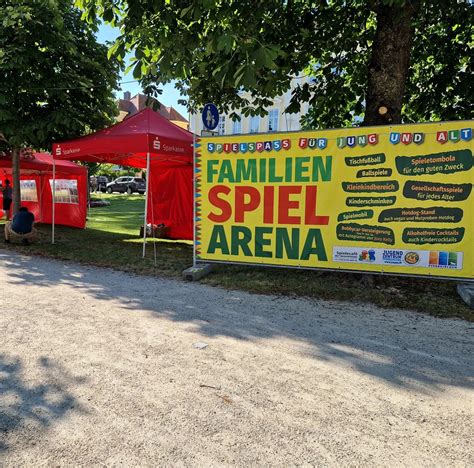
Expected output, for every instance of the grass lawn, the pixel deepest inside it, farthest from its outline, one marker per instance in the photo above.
(111, 240)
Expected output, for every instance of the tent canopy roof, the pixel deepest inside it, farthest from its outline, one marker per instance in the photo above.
(43, 162)
(128, 142)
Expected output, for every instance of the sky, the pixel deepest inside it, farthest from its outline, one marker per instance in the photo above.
(170, 95)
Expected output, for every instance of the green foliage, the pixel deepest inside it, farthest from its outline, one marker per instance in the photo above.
(215, 49)
(92, 167)
(110, 170)
(342, 53)
(440, 85)
(439, 81)
(56, 81)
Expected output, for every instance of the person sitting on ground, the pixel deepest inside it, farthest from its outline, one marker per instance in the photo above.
(21, 227)
(7, 198)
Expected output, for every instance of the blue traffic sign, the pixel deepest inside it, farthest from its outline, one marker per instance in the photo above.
(210, 116)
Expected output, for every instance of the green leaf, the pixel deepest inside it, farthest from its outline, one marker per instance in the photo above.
(137, 70)
(186, 10)
(264, 57)
(108, 14)
(249, 79)
(239, 74)
(117, 49)
(224, 43)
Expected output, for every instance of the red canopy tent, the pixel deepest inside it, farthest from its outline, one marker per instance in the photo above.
(147, 140)
(36, 180)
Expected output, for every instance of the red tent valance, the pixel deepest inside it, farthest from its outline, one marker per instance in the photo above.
(37, 170)
(42, 162)
(128, 142)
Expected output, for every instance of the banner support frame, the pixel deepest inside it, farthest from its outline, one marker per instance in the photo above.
(194, 201)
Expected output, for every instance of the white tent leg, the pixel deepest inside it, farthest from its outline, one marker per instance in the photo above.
(54, 201)
(146, 201)
(153, 217)
(40, 194)
(88, 211)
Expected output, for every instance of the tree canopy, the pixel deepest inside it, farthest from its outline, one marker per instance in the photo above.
(215, 49)
(56, 80)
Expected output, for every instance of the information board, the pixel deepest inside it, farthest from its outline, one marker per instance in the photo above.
(382, 199)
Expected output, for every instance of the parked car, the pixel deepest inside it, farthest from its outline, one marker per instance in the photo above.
(127, 185)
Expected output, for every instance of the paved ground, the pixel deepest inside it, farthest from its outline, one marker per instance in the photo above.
(98, 367)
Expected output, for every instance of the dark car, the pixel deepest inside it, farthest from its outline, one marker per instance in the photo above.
(127, 185)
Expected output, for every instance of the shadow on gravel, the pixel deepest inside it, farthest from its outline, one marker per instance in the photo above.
(405, 350)
(35, 406)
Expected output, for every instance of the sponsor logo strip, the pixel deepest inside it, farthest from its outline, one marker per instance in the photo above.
(407, 258)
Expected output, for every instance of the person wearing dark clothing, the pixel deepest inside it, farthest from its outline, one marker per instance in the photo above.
(22, 226)
(7, 193)
(23, 221)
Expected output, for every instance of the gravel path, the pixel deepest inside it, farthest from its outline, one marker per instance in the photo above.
(100, 367)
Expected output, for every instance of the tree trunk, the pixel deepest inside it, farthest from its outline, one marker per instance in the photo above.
(388, 68)
(16, 179)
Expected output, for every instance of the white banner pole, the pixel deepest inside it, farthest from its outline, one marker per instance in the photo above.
(146, 201)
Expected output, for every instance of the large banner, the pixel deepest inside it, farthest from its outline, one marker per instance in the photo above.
(384, 199)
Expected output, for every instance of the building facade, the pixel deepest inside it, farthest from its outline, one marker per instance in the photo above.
(131, 105)
(275, 120)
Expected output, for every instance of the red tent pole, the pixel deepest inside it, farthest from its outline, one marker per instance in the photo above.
(146, 200)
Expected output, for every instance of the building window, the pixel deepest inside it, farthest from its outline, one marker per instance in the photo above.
(237, 126)
(28, 190)
(66, 191)
(273, 120)
(221, 126)
(254, 124)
